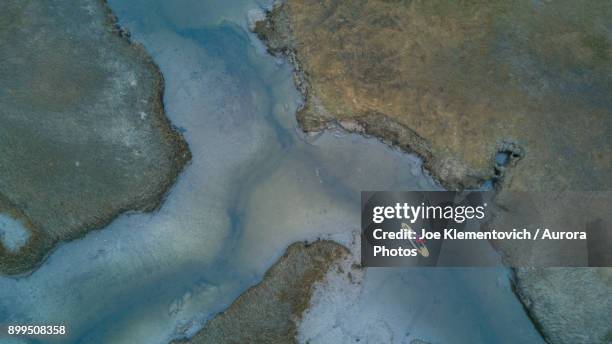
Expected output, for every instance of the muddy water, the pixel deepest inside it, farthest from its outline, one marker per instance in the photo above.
(255, 185)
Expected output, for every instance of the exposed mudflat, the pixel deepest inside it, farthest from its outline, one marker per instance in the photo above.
(83, 135)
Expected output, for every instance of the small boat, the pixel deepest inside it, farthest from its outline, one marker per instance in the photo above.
(419, 244)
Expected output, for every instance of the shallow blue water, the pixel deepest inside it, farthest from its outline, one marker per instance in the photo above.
(255, 185)
(12, 233)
